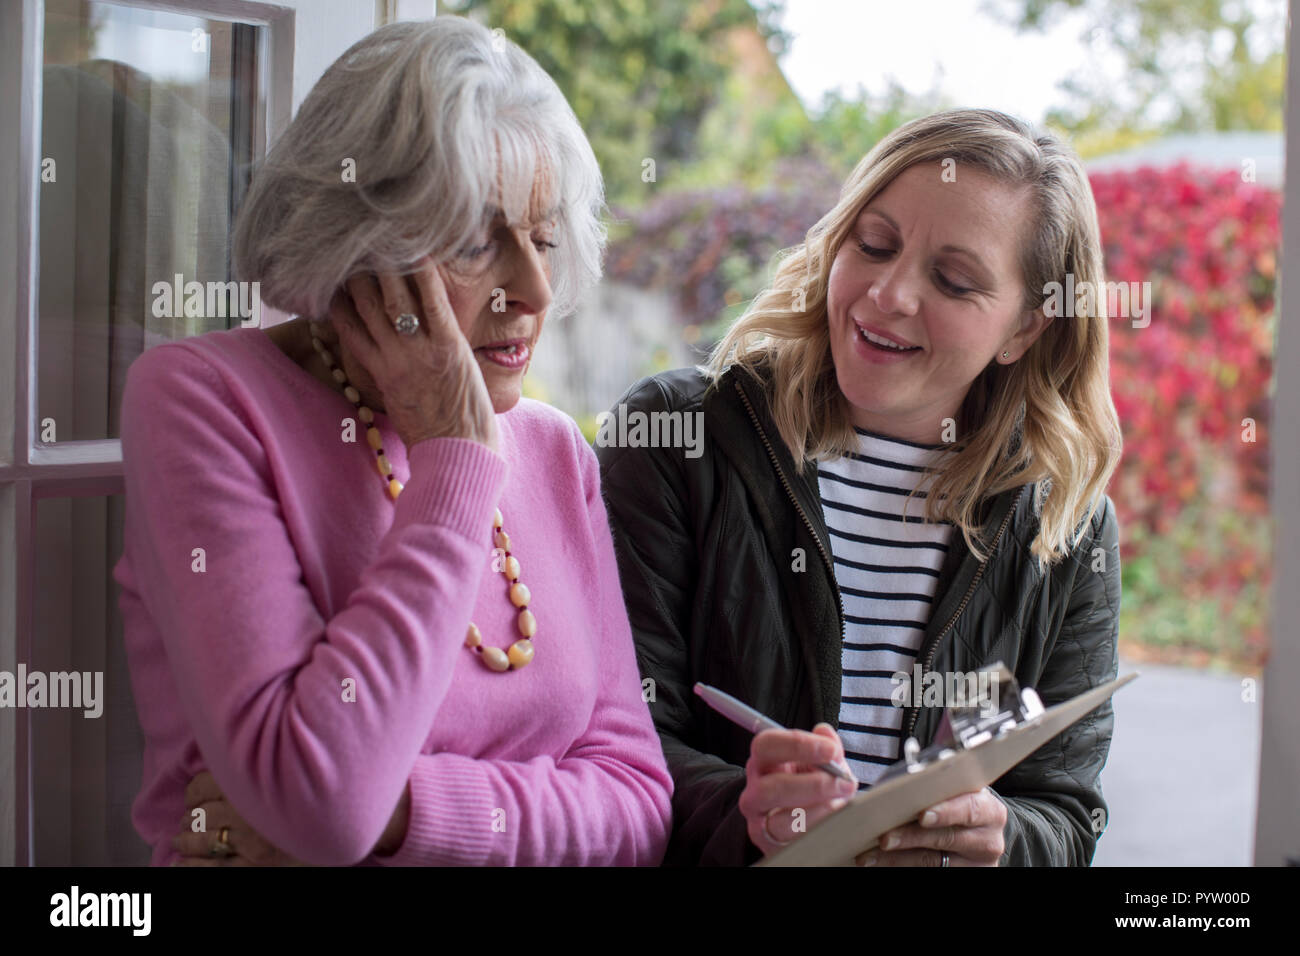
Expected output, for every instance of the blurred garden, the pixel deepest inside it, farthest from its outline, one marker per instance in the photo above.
(713, 165)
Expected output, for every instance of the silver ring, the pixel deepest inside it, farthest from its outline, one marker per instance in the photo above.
(943, 857)
(767, 831)
(407, 324)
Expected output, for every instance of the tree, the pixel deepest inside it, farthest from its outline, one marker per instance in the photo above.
(639, 74)
(848, 127)
(1191, 65)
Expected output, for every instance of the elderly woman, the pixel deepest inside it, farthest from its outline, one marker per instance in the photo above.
(370, 596)
(905, 350)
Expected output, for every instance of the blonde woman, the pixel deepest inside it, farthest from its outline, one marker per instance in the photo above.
(903, 479)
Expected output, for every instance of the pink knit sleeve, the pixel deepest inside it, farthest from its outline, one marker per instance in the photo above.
(605, 802)
(259, 673)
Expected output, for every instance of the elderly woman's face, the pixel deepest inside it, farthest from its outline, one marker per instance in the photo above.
(500, 288)
(933, 266)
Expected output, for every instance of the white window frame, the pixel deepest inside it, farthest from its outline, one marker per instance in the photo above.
(296, 53)
(1277, 826)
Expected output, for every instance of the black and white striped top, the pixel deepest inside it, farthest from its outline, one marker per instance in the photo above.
(887, 570)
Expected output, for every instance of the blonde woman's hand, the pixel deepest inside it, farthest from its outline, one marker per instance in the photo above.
(785, 792)
(968, 828)
(431, 383)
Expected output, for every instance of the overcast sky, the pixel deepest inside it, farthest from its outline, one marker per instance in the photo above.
(948, 44)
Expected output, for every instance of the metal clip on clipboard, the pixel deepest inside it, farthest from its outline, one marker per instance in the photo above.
(995, 709)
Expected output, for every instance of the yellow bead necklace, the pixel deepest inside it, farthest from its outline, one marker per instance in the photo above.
(521, 651)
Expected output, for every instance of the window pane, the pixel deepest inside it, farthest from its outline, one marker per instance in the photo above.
(85, 770)
(148, 120)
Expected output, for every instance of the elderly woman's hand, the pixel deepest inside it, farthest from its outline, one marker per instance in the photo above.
(430, 381)
(968, 828)
(247, 846)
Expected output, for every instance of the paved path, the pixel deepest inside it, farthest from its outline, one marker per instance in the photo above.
(1183, 771)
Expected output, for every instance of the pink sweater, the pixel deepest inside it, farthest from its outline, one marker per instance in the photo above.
(311, 580)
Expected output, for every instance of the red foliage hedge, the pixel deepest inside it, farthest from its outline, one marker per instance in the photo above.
(1183, 386)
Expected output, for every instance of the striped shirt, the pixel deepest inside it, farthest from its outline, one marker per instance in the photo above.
(887, 570)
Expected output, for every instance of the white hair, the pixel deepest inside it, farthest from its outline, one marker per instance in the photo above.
(441, 120)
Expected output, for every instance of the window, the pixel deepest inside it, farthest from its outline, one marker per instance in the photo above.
(148, 124)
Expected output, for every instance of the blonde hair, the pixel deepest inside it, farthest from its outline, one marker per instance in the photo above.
(1047, 418)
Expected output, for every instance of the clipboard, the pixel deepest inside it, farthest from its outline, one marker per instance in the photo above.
(971, 756)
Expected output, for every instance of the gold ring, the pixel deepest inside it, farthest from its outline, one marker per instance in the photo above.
(222, 847)
(767, 831)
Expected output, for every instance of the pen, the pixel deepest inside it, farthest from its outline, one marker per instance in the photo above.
(742, 715)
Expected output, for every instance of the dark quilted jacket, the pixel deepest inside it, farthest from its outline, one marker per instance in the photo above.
(706, 551)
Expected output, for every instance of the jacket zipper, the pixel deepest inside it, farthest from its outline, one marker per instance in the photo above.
(771, 453)
(915, 712)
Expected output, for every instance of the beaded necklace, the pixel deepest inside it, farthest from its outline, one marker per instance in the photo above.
(521, 651)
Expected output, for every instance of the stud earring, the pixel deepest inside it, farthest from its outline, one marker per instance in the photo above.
(1006, 354)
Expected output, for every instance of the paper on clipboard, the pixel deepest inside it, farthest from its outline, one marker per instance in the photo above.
(839, 838)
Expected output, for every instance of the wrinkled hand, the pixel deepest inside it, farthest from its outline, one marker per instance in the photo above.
(968, 827)
(431, 383)
(195, 848)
